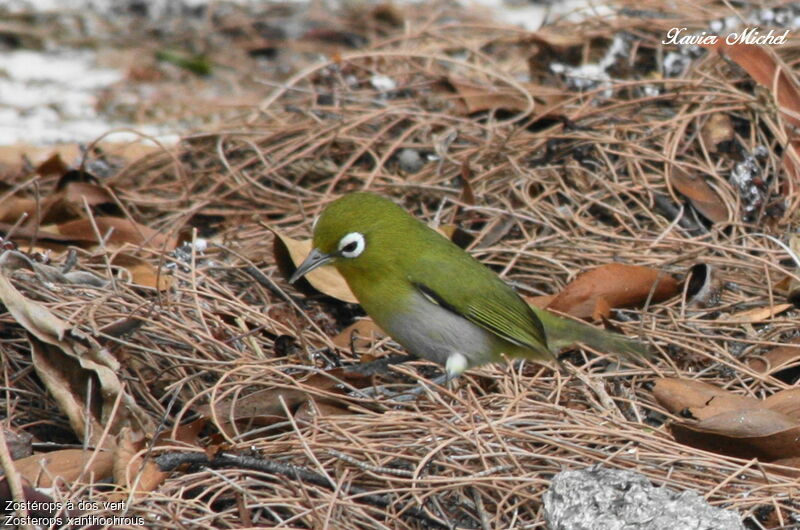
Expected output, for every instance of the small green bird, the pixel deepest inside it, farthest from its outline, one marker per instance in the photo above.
(431, 296)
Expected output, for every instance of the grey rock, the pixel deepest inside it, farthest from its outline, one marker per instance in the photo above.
(598, 498)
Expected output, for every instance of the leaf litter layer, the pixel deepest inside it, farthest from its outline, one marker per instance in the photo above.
(245, 393)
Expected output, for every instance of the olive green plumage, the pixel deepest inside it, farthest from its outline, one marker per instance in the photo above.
(431, 296)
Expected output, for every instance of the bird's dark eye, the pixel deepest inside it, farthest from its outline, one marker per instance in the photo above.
(350, 247)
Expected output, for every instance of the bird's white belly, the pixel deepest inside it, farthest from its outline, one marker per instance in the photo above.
(430, 331)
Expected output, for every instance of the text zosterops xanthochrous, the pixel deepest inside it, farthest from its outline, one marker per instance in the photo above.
(431, 296)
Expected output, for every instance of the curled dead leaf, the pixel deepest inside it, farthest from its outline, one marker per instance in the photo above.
(53, 165)
(792, 463)
(68, 383)
(143, 272)
(779, 361)
(261, 408)
(700, 194)
(594, 292)
(313, 410)
(758, 314)
(134, 471)
(362, 331)
(541, 301)
(786, 402)
(700, 399)
(755, 433)
(717, 129)
(478, 97)
(42, 470)
(290, 252)
(117, 230)
(68, 364)
(11, 210)
(31, 315)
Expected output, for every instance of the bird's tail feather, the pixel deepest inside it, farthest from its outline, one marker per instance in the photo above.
(562, 332)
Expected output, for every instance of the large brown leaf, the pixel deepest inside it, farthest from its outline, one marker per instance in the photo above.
(595, 292)
(753, 433)
(80, 375)
(786, 402)
(700, 399)
(42, 470)
(116, 231)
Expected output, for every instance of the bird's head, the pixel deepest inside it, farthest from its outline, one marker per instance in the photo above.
(355, 232)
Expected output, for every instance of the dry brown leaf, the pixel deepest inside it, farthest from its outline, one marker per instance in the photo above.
(269, 406)
(123, 456)
(756, 433)
(786, 402)
(41, 470)
(53, 165)
(15, 154)
(259, 409)
(138, 472)
(325, 279)
(766, 70)
(701, 399)
(92, 194)
(793, 462)
(69, 366)
(720, 404)
(143, 272)
(69, 385)
(365, 330)
(121, 231)
(700, 194)
(135, 472)
(186, 433)
(555, 38)
(758, 314)
(312, 410)
(478, 98)
(15, 207)
(541, 301)
(613, 285)
(71, 153)
(68, 203)
(717, 129)
(777, 359)
(33, 316)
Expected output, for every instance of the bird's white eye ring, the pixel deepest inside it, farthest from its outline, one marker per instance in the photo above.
(352, 245)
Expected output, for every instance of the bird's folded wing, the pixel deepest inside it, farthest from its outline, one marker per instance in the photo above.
(511, 320)
(516, 325)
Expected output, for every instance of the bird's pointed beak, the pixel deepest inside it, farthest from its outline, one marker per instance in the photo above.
(315, 259)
